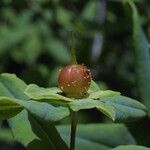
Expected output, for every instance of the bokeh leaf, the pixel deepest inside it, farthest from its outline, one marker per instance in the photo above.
(84, 144)
(53, 78)
(12, 38)
(142, 57)
(55, 47)
(89, 12)
(131, 147)
(64, 17)
(108, 135)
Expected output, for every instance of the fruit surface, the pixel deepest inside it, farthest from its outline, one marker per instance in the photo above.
(74, 81)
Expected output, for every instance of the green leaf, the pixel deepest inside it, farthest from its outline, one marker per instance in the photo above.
(64, 17)
(103, 94)
(6, 135)
(84, 144)
(89, 12)
(35, 134)
(131, 147)
(46, 111)
(8, 108)
(142, 58)
(13, 37)
(13, 100)
(42, 110)
(11, 86)
(117, 108)
(55, 47)
(47, 132)
(93, 87)
(32, 132)
(108, 135)
(53, 78)
(39, 93)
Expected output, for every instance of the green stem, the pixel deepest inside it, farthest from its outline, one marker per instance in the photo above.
(73, 130)
(73, 49)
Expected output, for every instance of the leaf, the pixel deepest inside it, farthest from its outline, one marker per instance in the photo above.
(117, 108)
(11, 86)
(89, 12)
(108, 135)
(39, 93)
(64, 17)
(42, 110)
(6, 135)
(53, 78)
(8, 108)
(13, 100)
(51, 94)
(142, 58)
(55, 48)
(21, 126)
(84, 144)
(93, 87)
(35, 134)
(31, 132)
(103, 94)
(131, 147)
(47, 132)
(46, 111)
(11, 38)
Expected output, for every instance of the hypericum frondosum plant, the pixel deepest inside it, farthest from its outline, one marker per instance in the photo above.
(74, 80)
(32, 110)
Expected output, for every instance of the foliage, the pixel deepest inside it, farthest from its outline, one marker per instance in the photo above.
(108, 135)
(142, 57)
(34, 44)
(38, 116)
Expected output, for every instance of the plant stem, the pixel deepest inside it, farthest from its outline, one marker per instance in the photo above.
(73, 130)
(73, 114)
(73, 49)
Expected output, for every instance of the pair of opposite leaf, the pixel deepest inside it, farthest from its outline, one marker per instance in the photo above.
(74, 82)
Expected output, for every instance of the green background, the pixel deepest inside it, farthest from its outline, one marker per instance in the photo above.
(35, 44)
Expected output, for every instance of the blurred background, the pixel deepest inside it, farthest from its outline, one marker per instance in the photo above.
(35, 44)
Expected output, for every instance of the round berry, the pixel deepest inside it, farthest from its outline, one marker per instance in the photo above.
(74, 81)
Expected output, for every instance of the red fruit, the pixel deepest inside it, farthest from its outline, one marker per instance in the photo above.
(74, 81)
